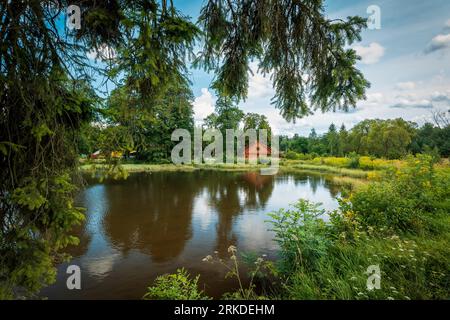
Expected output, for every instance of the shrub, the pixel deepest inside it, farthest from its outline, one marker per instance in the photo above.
(404, 200)
(300, 235)
(353, 160)
(291, 155)
(178, 286)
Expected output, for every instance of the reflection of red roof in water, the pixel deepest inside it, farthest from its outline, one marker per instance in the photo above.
(256, 149)
(256, 179)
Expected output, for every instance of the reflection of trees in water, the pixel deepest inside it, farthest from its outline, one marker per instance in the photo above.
(153, 213)
(230, 194)
(333, 188)
(315, 181)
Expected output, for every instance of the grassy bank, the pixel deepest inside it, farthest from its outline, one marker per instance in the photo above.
(292, 166)
(285, 167)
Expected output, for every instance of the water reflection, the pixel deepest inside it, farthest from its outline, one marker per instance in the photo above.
(155, 223)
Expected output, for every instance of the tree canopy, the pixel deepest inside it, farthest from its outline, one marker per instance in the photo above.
(305, 53)
(391, 139)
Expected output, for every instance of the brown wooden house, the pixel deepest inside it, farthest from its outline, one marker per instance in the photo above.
(256, 149)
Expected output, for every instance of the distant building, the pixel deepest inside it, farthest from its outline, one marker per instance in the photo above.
(257, 149)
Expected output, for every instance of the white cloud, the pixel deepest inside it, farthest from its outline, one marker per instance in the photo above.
(440, 42)
(203, 105)
(259, 86)
(438, 96)
(405, 85)
(375, 97)
(421, 104)
(370, 54)
(104, 52)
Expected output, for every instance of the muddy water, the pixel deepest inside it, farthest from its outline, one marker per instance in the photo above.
(151, 224)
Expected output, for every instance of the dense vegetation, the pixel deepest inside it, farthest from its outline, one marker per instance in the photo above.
(399, 222)
(391, 139)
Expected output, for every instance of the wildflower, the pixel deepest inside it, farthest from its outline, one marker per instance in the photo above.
(208, 258)
(232, 249)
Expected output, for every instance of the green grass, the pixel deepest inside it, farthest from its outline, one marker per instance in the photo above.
(355, 173)
(142, 167)
(285, 168)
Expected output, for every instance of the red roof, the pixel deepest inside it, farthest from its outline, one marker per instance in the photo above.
(256, 149)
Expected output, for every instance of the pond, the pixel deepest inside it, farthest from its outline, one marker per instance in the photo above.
(155, 223)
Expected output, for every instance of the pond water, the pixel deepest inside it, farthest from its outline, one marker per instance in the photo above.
(151, 224)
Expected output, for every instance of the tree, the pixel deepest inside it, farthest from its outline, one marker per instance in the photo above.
(342, 144)
(258, 122)
(46, 97)
(299, 144)
(306, 53)
(149, 125)
(227, 116)
(430, 136)
(332, 140)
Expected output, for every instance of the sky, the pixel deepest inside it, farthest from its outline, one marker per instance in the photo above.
(407, 62)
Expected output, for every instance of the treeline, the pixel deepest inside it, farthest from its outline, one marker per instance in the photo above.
(391, 139)
(125, 127)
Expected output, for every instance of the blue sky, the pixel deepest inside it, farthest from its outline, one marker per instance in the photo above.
(407, 62)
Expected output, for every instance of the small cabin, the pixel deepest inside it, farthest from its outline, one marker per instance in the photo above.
(257, 149)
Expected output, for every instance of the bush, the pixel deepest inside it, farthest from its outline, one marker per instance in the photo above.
(353, 160)
(399, 224)
(300, 234)
(291, 155)
(178, 286)
(405, 200)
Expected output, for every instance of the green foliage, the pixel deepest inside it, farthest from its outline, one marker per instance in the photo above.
(433, 137)
(178, 286)
(300, 234)
(291, 40)
(291, 155)
(405, 201)
(259, 269)
(353, 160)
(400, 223)
(226, 116)
(47, 98)
(388, 139)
